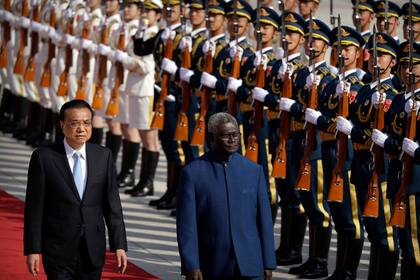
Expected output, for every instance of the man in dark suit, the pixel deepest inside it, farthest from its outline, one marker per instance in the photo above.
(224, 223)
(71, 191)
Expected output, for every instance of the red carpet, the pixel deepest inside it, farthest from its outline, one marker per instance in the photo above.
(12, 261)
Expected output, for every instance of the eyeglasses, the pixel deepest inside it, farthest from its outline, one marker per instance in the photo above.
(77, 124)
(228, 136)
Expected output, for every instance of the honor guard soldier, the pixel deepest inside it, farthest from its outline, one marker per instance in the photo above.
(387, 18)
(102, 93)
(374, 98)
(239, 15)
(293, 218)
(415, 18)
(174, 31)
(310, 182)
(336, 156)
(308, 7)
(140, 91)
(409, 235)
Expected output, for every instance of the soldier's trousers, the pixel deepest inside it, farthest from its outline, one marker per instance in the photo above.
(347, 215)
(169, 145)
(410, 234)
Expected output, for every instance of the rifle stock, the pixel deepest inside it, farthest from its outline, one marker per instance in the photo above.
(181, 131)
(29, 74)
(303, 182)
(252, 147)
(98, 97)
(82, 86)
(159, 115)
(23, 34)
(279, 165)
(63, 86)
(4, 52)
(46, 75)
(199, 134)
(112, 108)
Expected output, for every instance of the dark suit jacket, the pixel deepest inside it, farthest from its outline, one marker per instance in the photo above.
(224, 218)
(56, 218)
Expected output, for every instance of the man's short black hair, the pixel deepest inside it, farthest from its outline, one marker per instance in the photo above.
(74, 104)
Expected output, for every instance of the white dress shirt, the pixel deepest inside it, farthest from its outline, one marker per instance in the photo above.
(69, 154)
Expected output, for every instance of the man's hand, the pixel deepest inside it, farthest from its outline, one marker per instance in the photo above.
(194, 275)
(32, 263)
(268, 274)
(121, 260)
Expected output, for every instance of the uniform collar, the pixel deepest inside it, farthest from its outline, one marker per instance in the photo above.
(349, 72)
(293, 56)
(113, 17)
(217, 37)
(317, 65)
(374, 84)
(266, 50)
(97, 11)
(407, 95)
(70, 151)
(196, 31)
(365, 32)
(233, 42)
(175, 26)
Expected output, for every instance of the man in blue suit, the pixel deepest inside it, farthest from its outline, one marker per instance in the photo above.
(224, 222)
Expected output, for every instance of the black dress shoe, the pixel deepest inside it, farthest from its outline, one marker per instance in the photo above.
(173, 213)
(136, 191)
(156, 202)
(319, 269)
(297, 270)
(167, 204)
(292, 258)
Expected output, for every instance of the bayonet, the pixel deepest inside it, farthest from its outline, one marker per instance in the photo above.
(386, 16)
(235, 20)
(339, 47)
(332, 17)
(284, 42)
(357, 16)
(258, 28)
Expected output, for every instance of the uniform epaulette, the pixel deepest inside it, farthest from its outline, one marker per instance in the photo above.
(354, 80)
(271, 56)
(417, 96)
(297, 64)
(197, 42)
(177, 39)
(324, 70)
(112, 22)
(132, 29)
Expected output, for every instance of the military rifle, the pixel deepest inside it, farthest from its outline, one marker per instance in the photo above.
(181, 130)
(236, 64)
(4, 52)
(29, 74)
(83, 83)
(252, 147)
(23, 41)
(335, 193)
(371, 208)
(98, 97)
(112, 108)
(46, 75)
(159, 115)
(304, 178)
(63, 85)
(398, 217)
(279, 165)
(199, 134)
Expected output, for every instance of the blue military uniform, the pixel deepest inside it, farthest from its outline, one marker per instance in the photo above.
(362, 115)
(313, 201)
(293, 218)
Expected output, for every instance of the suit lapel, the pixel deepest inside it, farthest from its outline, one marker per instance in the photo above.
(62, 164)
(89, 167)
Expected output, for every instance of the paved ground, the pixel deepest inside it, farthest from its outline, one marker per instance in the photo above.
(151, 233)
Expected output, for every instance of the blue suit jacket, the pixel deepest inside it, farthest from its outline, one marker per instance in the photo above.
(224, 218)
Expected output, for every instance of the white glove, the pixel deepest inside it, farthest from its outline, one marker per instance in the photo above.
(283, 68)
(409, 146)
(43, 31)
(376, 97)
(111, 56)
(25, 22)
(234, 84)
(341, 86)
(312, 79)
(207, 46)
(120, 55)
(170, 98)
(185, 74)
(57, 38)
(129, 62)
(409, 106)
(104, 49)
(8, 16)
(259, 94)
(86, 44)
(76, 44)
(236, 50)
(93, 49)
(68, 39)
(52, 33)
(185, 41)
(168, 33)
(208, 80)
(312, 115)
(1, 15)
(258, 60)
(344, 125)
(286, 104)
(169, 66)
(36, 26)
(378, 137)
(279, 53)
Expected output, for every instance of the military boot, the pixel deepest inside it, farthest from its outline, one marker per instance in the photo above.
(383, 263)
(149, 161)
(97, 135)
(113, 142)
(353, 252)
(126, 177)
